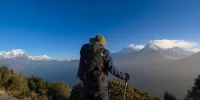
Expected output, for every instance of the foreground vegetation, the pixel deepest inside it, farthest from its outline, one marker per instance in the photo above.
(31, 88)
(34, 88)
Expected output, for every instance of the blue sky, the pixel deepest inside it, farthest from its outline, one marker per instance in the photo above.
(58, 28)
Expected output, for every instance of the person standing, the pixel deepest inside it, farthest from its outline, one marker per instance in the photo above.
(95, 63)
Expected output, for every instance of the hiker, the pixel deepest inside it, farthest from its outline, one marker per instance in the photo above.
(95, 63)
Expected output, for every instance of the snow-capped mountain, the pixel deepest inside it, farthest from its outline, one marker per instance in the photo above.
(151, 47)
(173, 53)
(179, 50)
(65, 59)
(176, 53)
(43, 57)
(175, 49)
(18, 53)
(13, 54)
(128, 50)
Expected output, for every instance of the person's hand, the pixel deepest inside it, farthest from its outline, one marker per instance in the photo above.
(127, 77)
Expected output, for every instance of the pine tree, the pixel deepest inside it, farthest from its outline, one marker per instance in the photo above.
(194, 93)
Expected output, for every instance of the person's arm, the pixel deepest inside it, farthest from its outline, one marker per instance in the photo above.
(111, 68)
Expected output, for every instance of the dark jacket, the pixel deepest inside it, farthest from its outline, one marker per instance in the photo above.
(109, 67)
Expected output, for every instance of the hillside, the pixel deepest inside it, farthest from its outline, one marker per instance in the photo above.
(35, 88)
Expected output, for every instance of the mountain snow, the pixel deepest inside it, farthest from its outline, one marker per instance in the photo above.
(153, 47)
(179, 50)
(42, 57)
(21, 53)
(65, 59)
(128, 50)
(13, 54)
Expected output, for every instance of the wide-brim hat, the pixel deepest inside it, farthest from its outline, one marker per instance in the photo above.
(99, 39)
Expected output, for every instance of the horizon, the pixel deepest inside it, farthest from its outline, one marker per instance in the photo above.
(59, 29)
(164, 44)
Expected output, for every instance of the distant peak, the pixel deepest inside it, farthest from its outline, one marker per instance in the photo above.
(151, 46)
(14, 53)
(135, 46)
(176, 49)
(21, 53)
(128, 50)
(42, 57)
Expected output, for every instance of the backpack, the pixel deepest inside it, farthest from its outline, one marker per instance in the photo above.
(91, 69)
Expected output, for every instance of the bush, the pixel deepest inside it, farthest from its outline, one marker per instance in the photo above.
(59, 90)
(35, 88)
(11, 72)
(5, 75)
(116, 91)
(156, 98)
(18, 87)
(24, 88)
(77, 92)
(36, 84)
(169, 96)
(13, 84)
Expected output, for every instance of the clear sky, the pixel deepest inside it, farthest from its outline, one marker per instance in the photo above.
(58, 28)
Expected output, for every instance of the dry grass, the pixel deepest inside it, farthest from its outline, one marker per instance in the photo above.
(3, 91)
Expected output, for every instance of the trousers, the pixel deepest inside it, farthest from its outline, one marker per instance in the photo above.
(101, 95)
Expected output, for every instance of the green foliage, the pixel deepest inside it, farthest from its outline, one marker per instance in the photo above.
(156, 98)
(33, 87)
(36, 84)
(59, 90)
(48, 84)
(116, 90)
(37, 89)
(194, 93)
(18, 84)
(5, 75)
(145, 96)
(188, 96)
(169, 96)
(13, 84)
(76, 93)
(23, 85)
(12, 72)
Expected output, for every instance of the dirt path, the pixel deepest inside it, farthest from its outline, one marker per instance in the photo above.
(4, 97)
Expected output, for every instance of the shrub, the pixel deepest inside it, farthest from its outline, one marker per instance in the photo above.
(59, 90)
(77, 92)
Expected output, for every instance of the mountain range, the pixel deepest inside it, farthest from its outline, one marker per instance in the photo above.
(20, 53)
(149, 54)
(152, 68)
